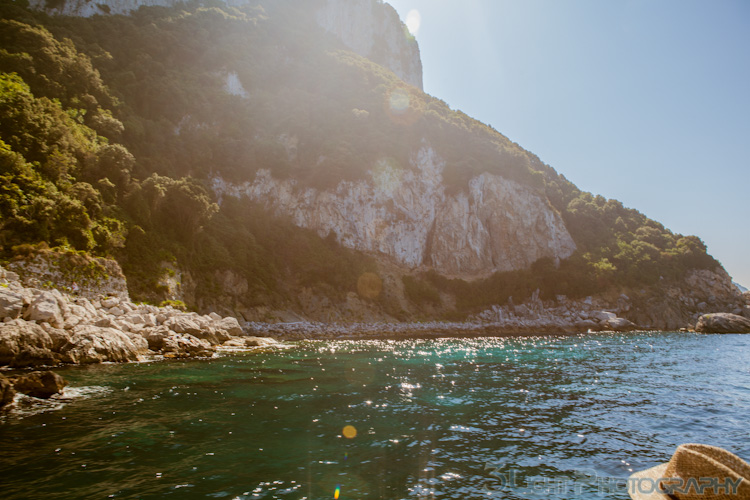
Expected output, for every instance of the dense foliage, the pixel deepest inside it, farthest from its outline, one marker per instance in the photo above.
(112, 125)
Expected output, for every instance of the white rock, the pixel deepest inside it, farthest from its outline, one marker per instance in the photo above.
(110, 302)
(116, 311)
(11, 303)
(602, 315)
(183, 325)
(230, 324)
(91, 344)
(498, 225)
(44, 307)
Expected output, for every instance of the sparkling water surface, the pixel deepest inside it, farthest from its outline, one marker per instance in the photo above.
(515, 418)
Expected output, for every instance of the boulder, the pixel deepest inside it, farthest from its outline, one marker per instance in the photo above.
(116, 311)
(213, 336)
(156, 337)
(24, 344)
(186, 346)
(722, 323)
(44, 307)
(109, 302)
(40, 384)
(260, 341)
(92, 344)
(76, 314)
(7, 393)
(235, 342)
(230, 324)
(620, 325)
(603, 316)
(11, 304)
(181, 324)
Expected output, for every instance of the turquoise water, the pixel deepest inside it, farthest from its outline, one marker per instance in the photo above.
(558, 417)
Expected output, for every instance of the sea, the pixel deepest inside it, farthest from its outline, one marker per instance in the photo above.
(455, 418)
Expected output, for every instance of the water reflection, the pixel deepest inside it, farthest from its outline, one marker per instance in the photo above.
(386, 419)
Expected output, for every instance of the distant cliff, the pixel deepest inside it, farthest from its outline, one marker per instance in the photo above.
(368, 27)
(498, 225)
(241, 161)
(374, 30)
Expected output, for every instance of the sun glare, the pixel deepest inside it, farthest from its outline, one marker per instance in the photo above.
(413, 21)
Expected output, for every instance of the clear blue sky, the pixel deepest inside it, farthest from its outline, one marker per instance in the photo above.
(644, 101)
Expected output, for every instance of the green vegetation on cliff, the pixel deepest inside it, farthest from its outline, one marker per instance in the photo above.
(112, 127)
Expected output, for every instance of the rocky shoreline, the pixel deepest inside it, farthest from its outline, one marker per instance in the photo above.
(43, 327)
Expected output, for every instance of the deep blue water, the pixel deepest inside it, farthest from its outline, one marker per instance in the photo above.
(563, 417)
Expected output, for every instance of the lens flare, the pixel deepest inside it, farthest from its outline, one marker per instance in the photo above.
(399, 101)
(350, 432)
(337, 492)
(403, 105)
(413, 21)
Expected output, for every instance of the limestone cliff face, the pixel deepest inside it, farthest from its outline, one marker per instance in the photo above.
(498, 225)
(370, 28)
(374, 30)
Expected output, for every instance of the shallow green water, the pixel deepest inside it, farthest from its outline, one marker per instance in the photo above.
(447, 419)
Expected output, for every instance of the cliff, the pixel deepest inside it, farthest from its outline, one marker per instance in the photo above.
(373, 29)
(497, 225)
(238, 160)
(370, 28)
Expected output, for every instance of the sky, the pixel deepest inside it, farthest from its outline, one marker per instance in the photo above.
(644, 101)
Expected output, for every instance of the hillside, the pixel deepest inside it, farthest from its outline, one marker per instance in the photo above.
(248, 161)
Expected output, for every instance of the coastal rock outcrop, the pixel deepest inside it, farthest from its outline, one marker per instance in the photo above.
(25, 344)
(40, 384)
(11, 304)
(45, 308)
(498, 225)
(89, 277)
(722, 323)
(48, 327)
(92, 344)
(6, 392)
(186, 346)
(562, 314)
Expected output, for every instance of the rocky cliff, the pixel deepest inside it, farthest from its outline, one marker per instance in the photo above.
(370, 28)
(374, 30)
(405, 213)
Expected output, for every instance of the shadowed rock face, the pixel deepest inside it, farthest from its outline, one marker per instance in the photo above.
(497, 225)
(6, 391)
(371, 29)
(722, 323)
(42, 384)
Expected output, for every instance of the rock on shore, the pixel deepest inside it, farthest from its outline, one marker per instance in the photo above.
(6, 391)
(40, 384)
(562, 314)
(722, 323)
(44, 327)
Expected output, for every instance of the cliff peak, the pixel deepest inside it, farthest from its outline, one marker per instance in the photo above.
(370, 28)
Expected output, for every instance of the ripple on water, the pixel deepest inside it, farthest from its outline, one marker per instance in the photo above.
(436, 418)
